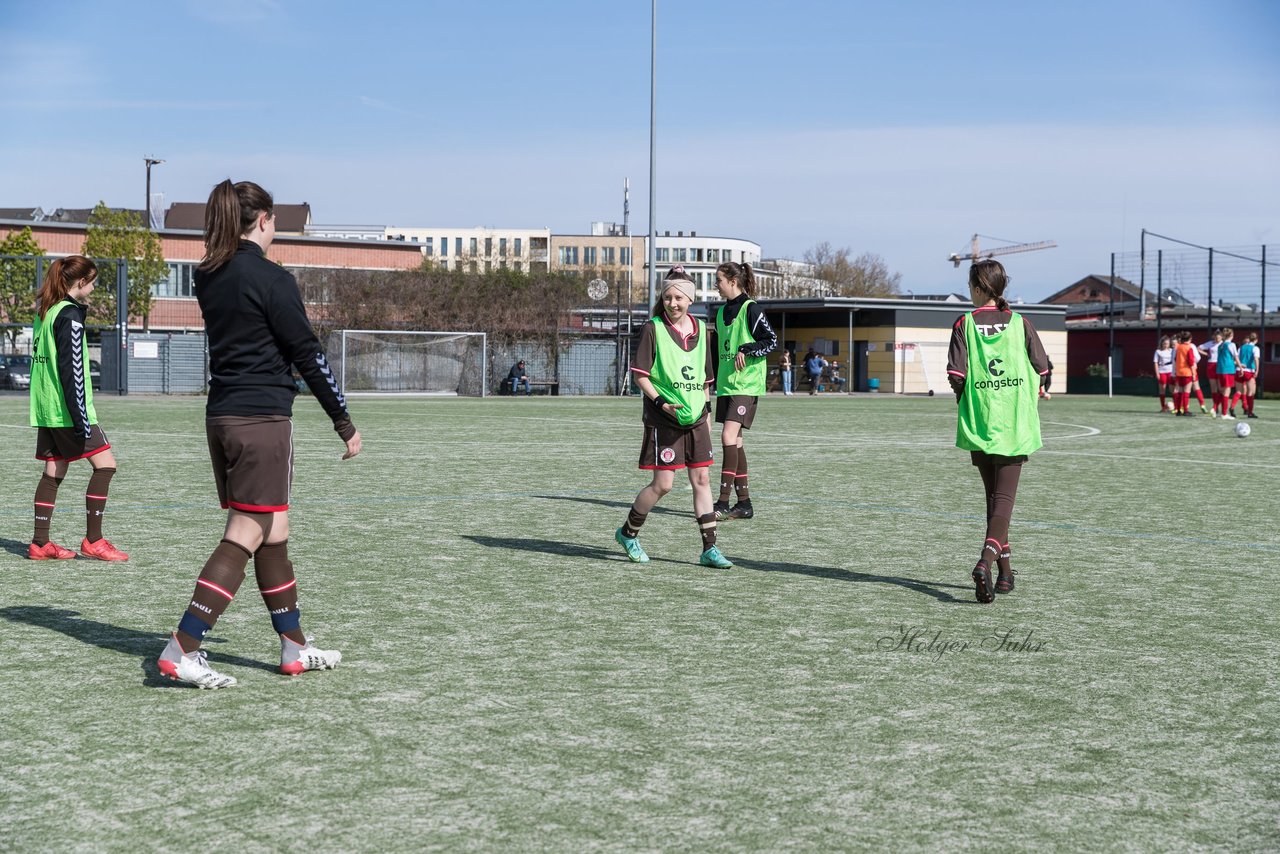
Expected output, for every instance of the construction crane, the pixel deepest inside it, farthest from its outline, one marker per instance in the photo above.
(975, 253)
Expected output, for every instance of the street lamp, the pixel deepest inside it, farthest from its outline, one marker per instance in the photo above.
(146, 209)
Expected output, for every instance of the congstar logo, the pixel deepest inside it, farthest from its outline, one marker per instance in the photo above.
(686, 371)
(993, 367)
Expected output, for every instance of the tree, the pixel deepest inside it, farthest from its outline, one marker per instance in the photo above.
(864, 276)
(114, 234)
(18, 282)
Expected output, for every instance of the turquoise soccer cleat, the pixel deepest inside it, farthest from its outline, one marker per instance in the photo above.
(632, 544)
(712, 557)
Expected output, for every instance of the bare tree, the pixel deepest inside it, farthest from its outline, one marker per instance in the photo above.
(864, 276)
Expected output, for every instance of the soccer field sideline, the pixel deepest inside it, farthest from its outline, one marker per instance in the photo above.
(510, 681)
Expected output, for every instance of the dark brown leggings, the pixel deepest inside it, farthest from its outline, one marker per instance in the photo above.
(1000, 479)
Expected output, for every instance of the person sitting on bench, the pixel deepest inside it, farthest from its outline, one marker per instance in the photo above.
(518, 375)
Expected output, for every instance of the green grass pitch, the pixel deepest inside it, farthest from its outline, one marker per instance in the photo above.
(510, 682)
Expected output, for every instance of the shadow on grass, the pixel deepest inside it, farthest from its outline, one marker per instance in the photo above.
(936, 590)
(145, 645)
(604, 502)
(552, 547)
(14, 547)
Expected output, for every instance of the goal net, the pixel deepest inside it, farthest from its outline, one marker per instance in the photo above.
(373, 361)
(920, 367)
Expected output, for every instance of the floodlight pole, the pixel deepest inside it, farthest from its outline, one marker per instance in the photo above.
(653, 137)
(1262, 318)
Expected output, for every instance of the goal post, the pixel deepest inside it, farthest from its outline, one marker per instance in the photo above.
(395, 362)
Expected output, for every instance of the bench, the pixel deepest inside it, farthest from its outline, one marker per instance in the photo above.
(544, 387)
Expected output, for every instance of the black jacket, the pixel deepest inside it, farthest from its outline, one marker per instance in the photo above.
(258, 333)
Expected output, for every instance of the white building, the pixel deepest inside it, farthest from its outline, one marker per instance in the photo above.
(700, 255)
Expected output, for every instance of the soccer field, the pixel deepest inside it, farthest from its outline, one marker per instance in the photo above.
(511, 682)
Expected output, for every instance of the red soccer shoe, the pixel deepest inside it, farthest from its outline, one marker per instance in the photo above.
(102, 550)
(49, 551)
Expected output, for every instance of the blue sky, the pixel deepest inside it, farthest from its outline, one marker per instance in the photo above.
(893, 128)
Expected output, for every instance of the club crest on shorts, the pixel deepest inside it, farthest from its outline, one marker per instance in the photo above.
(742, 410)
(667, 455)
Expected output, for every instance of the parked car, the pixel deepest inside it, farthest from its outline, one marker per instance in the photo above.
(95, 374)
(15, 372)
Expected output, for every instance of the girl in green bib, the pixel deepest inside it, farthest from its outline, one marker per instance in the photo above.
(62, 409)
(673, 367)
(742, 341)
(996, 365)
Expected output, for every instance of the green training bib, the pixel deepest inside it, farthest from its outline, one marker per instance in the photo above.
(678, 374)
(48, 407)
(729, 381)
(998, 412)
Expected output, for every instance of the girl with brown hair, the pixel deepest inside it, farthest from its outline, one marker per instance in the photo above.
(62, 409)
(743, 338)
(258, 333)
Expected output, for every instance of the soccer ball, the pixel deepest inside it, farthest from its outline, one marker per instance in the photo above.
(1243, 429)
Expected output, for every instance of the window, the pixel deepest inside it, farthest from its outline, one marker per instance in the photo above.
(472, 267)
(663, 255)
(488, 247)
(502, 248)
(475, 245)
(696, 256)
(610, 256)
(179, 282)
(681, 255)
(427, 246)
(568, 255)
(589, 256)
(625, 255)
(444, 246)
(488, 266)
(457, 246)
(713, 256)
(502, 264)
(517, 263)
(517, 248)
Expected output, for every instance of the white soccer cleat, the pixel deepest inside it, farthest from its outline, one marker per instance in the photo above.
(295, 659)
(190, 668)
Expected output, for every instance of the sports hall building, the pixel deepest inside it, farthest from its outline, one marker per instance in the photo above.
(888, 345)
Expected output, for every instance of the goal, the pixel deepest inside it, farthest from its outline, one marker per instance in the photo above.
(382, 361)
(920, 367)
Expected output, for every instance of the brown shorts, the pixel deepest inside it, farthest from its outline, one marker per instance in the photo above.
(62, 444)
(252, 461)
(670, 449)
(737, 407)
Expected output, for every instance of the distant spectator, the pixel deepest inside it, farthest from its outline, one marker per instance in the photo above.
(518, 375)
(837, 380)
(785, 371)
(814, 365)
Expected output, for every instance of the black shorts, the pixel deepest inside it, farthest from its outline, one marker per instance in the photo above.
(63, 444)
(981, 457)
(670, 448)
(252, 461)
(737, 407)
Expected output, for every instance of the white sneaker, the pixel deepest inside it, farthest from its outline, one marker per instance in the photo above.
(1227, 417)
(190, 668)
(295, 659)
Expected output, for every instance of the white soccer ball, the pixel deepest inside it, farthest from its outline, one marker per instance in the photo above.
(1243, 429)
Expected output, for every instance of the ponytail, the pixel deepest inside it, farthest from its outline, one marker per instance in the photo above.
(60, 278)
(739, 274)
(228, 216)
